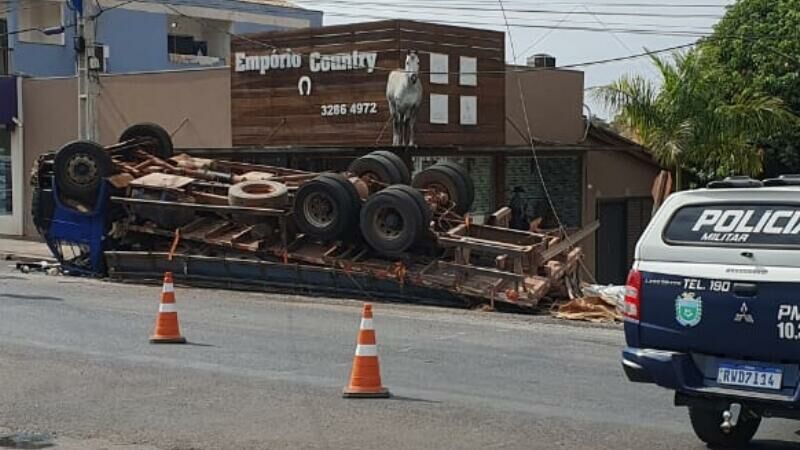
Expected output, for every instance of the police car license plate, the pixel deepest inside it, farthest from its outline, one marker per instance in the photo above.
(750, 376)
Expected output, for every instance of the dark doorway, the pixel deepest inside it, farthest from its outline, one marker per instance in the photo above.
(612, 242)
(4, 69)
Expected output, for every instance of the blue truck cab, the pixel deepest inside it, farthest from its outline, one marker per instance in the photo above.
(712, 305)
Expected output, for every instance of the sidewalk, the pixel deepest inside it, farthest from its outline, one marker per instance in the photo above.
(15, 248)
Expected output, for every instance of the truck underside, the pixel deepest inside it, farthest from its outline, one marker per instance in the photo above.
(134, 210)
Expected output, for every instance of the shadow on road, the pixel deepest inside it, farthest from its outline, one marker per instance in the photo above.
(32, 297)
(412, 399)
(199, 344)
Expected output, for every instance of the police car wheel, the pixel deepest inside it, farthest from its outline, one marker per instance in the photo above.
(706, 424)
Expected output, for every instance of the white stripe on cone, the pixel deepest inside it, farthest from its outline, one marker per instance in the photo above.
(366, 324)
(366, 350)
(168, 307)
(168, 287)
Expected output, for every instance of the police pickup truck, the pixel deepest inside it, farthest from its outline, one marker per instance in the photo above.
(712, 305)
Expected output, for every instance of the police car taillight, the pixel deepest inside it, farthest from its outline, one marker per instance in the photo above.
(633, 295)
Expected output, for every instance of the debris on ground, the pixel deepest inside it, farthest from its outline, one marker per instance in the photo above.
(590, 309)
(40, 266)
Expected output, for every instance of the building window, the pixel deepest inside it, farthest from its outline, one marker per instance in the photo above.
(439, 70)
(439, 109)
(197, 41)
(4, 47)
(469, 110)
(468, 71)
(39, 15)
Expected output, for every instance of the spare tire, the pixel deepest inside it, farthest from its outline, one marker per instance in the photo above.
(160, 142)
(461, 170)
(445, 179)
(79, 169)
(327, 207)
(259, 194)
(398, 162)
(391, 222)
(377, 167)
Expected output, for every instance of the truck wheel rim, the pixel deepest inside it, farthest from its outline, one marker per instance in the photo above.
(82, 169)
(319, 210)
(388, 223)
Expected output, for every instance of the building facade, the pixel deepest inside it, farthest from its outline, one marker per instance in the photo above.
(280, 116)
(141, 35)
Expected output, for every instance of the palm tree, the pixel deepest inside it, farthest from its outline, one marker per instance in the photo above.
(686, 123)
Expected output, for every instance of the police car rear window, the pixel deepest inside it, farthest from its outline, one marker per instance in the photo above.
(735, 225)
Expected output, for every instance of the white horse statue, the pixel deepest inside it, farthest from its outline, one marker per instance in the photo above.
(404, 93)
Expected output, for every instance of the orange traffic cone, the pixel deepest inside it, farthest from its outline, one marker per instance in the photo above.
(167, 331)
(365, 378)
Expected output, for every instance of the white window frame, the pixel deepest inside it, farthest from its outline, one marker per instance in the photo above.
(439, 68)
(468, 71)
(469, 104)
(439, 106)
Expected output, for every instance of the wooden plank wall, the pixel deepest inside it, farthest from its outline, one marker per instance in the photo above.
(268, 110)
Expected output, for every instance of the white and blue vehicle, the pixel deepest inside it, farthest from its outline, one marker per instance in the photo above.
(712, 305)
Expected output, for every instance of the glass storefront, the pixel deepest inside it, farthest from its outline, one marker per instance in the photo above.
(6, 183)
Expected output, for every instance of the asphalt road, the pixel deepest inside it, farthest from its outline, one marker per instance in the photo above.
(266, 372)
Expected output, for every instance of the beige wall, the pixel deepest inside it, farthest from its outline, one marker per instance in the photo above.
(554, 100)
(198, 99)
(50, 119)
(201, 97)
(612, 175)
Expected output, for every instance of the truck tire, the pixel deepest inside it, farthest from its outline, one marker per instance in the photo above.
(398, 162)
(706, 424)
(391, 222)
(327, 207)
(259, 194)
(447, 180)
(79, 169)
(162, 141)
(464, 175)
(377, 167)
(427, 212)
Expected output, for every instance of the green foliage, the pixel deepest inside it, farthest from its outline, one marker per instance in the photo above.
(756, 47)
(728, 107)
(686, 122)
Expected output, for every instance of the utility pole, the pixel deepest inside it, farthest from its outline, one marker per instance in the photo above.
(87, 70)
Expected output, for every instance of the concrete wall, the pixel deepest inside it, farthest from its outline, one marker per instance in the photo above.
(554, 101)
(612, 175)
(202, 97)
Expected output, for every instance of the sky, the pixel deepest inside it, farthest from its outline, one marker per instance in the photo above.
(610, 28)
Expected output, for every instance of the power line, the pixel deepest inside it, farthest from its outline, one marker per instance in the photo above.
(642, 31)
(439, 6)
(388, 13)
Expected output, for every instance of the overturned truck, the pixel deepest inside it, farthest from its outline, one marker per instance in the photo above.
(135, 209)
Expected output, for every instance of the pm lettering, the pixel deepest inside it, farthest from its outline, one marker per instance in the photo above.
(789, 322)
